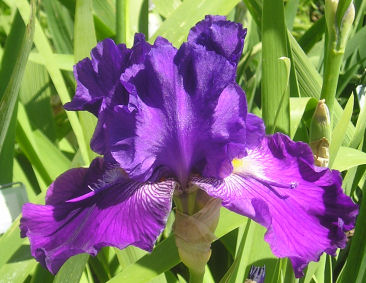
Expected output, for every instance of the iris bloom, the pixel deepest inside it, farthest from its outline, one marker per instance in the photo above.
(170, 119)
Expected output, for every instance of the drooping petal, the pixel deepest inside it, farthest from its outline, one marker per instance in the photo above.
(302, 206)
(87, 209)
(217, 34)
(189, 113)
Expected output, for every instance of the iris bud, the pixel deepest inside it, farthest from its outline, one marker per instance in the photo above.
(320, 129)
(320, 122)
(330, 15)
(339, 32)
(346, 25)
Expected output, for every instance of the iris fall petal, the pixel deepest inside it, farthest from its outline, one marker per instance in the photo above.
(302, 206)
(87, 209)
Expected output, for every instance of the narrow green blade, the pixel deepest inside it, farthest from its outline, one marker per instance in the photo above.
(44, 48)
(35, 95)
(60, 25)
(347, 158)
(104, 15)
(72, 269)
(290, 12)
(7, 152)
(297, 109)
(360, 127)
(84, 41)
(339, 131)
(355, 268)
(84, 32)
(62, 61)
(10, 95)
(275, 97)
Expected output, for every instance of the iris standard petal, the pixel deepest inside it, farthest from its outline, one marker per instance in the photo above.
(87, 209)
(227, 132)
(255, 130)
(187, 106)
(174, 100)
(98, 78)
(217, 34)
(302, 206)
(98, 82)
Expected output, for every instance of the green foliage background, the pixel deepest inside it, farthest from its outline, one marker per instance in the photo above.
(39, 140)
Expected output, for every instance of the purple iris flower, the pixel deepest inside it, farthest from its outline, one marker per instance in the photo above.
(169, 119)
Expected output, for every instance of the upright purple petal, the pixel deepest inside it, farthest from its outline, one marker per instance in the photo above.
(255, 130)
(98, 84)
(303, 206)
(188, 114)
(228, 132)
(99, 88)
(168, 105)
(98, 78)
(217, 34)
(87, 209)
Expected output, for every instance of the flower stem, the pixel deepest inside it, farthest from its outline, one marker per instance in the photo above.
(187, 202)
(331, 75)
(122, 22)
(195, 276)
(338, 31)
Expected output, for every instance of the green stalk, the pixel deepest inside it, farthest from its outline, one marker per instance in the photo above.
(186, 202)
(331, 75)
(122, 21)
(195, 277)
(338, 33)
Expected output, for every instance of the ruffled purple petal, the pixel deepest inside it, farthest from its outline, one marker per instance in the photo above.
(217, 34)
(87, 209)
(187, 114)
(167, 106)
(99, 87)
(303, 206)
(98, 79)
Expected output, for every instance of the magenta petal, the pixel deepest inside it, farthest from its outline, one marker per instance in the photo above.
(87, 209)
(303, 206)
(217, 34)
